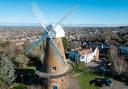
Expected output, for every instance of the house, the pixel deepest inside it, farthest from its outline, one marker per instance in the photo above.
(89, 55)
(86, 55)
(123, 51)
(74, 54)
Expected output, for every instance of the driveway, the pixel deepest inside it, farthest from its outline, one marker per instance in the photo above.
(73, 83)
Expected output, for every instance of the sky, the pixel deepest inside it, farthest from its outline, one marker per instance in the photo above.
(87, 12)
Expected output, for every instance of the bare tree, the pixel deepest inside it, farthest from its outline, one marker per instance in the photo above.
(11, 50)
(119, 65)
(21, 60)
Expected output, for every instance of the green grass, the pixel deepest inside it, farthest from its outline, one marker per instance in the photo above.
(19, 86)
(30, 67)
(85, 78)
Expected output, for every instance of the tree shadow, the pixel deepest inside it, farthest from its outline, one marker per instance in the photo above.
(27, 76)
(34, 61)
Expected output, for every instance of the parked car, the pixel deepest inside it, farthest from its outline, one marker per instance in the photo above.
(121, 78)
(104, 68)
(101, 82)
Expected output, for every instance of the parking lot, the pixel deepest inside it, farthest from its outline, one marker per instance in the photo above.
(116, 84)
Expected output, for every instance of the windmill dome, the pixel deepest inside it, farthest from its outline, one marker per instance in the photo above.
(56, 32)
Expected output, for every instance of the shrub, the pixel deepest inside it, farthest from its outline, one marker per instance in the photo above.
(21, 60)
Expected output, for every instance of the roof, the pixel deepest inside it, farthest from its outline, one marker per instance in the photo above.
(113, 42)
(86, 51)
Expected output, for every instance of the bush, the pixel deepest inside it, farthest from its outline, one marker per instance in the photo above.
(21, 60)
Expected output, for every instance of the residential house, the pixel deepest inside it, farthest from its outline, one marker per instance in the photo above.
(123, 51)
(89, 55)
(86, 55)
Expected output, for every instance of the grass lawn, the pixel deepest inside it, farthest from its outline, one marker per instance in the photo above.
(19, 86)
(85, 77)
(30, 67)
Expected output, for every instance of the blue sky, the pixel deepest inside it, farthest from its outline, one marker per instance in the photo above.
(88, 12)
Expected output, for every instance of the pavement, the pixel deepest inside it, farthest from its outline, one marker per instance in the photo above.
(73, 83)
(92, 64)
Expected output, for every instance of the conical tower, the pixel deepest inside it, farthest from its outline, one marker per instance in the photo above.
(54, 73)
(53, 64)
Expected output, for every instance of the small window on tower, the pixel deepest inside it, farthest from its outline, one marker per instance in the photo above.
(54, 68)
(54, 87)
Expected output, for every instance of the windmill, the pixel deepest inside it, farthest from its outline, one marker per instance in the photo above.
(55, 68)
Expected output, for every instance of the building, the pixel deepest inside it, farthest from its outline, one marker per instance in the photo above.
(53, 73)
(123, 51)
(85, 55)
(89, 55)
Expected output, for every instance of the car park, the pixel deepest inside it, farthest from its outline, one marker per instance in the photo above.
(101, 82)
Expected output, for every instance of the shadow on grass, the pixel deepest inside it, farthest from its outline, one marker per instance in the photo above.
(27, 76)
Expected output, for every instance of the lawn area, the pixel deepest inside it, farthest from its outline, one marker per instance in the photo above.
(19, 86)
(86, 75)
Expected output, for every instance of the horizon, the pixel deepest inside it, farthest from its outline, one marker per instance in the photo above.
(63, 25)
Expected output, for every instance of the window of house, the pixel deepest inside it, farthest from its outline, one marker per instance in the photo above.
(82, 57)
(54, 68)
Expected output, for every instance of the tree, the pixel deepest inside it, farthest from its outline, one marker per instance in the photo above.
(116, 37)
(11, 50)
(65, 43)
(3, 85)
(118, 62)
(7, 72)
(21, 60)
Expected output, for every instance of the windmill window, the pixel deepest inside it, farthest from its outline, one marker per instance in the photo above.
(54, 87)
(54, 68)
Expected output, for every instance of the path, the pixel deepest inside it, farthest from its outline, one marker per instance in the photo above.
(73, 83)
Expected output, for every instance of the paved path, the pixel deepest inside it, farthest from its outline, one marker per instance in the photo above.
(73, 83)
(92, 64)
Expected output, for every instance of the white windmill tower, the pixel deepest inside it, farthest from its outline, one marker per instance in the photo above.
(55, 69)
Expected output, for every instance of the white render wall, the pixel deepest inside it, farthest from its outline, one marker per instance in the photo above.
(88, 57)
